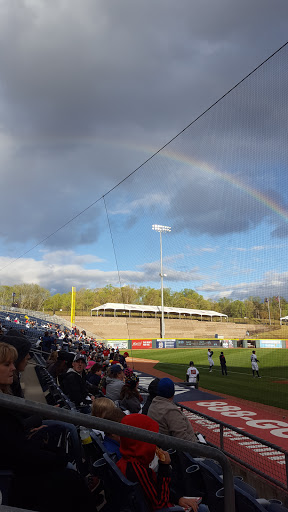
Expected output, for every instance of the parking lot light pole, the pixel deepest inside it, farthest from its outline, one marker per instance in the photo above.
(161, 229)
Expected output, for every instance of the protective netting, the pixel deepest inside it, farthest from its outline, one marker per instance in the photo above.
(222, 188)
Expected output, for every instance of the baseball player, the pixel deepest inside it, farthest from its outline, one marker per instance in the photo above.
(192, 375)
(254, 362)
(210, 360)
(223, 363)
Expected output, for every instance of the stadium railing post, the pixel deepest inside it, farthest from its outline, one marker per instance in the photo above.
(77, 418)
(221, 437)
(286, 467)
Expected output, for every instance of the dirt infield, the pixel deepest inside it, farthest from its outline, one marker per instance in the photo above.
(147, 366)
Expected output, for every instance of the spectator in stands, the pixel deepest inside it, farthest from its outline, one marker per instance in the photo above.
(114, 382)
(39, 342)
(134, 464)
(152, 390)
(122, 359)
(94, 374)
(93, 378)
(23, 346)
(111, 441)
(65, 343)
(52, 358)
(111, 355)
(100, 407)
(47, 342)
(36, 470)
(116, 356)
(130, 398)
(74, 384)
(59, 367)
(8, 356)
(172, 421)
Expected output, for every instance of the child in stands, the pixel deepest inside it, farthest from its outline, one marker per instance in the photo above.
(130, 398)
(134, 464)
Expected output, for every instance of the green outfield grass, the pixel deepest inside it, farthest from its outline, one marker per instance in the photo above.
(271, 389)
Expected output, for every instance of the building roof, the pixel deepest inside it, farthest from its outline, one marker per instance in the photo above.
(156, 309)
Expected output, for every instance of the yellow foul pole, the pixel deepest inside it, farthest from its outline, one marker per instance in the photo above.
(73, 301)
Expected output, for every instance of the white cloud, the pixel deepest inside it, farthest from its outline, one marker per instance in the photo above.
(272, 284)
(148, 201)
(60, 270)
(69, 257)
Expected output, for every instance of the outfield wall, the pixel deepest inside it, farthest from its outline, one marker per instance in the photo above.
(142, 344)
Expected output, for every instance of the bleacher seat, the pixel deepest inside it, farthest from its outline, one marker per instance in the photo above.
(6, 477)
(126, 496)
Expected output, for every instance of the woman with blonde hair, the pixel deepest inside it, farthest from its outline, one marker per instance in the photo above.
(31, 463)
(8, 356)
(100, 407)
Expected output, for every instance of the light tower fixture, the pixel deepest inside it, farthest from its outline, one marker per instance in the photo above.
(161, 229)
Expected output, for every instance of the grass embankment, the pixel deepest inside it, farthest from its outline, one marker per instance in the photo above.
(281, 333)
(271, 389)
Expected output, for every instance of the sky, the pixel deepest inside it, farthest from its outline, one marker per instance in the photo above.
(90, 90)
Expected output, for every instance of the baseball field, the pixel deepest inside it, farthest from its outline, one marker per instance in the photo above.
(271, 389)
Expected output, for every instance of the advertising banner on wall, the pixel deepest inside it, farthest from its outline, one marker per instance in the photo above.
(137, 344)
(165, 343)
(270, 343)
(117, 344)
(199, 343)
(227, 344)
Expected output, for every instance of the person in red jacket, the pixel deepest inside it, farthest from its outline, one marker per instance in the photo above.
(134, 464)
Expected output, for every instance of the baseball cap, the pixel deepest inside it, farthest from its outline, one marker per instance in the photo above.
(116, 368)
(79, 357)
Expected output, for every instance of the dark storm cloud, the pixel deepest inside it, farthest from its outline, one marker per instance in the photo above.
(74, 72)
(74, 66)
(199, 208)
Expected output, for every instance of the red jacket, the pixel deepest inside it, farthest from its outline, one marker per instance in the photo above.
(136, 457)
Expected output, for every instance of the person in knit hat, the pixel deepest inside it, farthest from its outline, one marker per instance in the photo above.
(152, 390)
(23, 346)
(172, 421)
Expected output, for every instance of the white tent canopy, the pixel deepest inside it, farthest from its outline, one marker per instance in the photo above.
(123, 308)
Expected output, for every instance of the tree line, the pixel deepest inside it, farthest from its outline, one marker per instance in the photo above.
(37, 298)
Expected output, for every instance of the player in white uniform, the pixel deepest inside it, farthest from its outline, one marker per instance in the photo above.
(254, 362)
(192, 375)
(210, 360)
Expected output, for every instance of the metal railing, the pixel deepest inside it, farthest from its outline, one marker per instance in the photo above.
(222, 434)
(196, 450)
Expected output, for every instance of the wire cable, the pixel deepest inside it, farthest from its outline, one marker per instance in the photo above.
(118, 271)
(148, 159)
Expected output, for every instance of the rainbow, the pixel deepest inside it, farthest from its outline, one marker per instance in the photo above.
(262, 198)
(203, 166)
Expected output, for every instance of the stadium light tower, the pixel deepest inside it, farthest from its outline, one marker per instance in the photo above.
(161, 229)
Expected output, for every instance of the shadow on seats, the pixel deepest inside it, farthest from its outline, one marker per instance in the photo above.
(126, 496)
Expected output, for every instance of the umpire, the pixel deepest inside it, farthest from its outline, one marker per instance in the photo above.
(223, 364)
